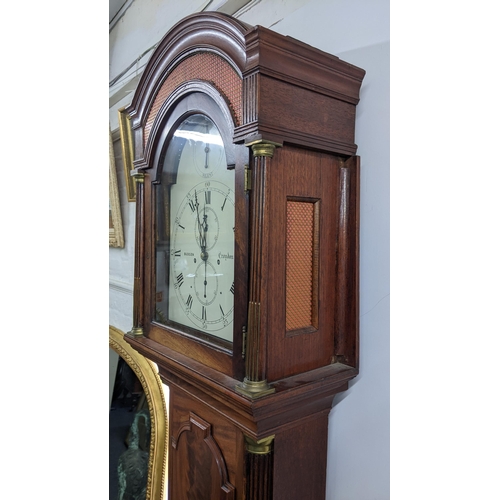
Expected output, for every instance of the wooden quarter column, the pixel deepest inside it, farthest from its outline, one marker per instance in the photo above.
(347, 311)
(255, 384)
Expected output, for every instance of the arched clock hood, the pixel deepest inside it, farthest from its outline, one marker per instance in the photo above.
(264, 62)
(211, 33)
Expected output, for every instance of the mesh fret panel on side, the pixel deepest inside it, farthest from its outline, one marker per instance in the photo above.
(300, 265)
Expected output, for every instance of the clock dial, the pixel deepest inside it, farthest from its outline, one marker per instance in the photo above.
(200, 260)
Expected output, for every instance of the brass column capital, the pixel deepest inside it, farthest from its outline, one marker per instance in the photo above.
(138, 176)
(259, 447)
(261, 147)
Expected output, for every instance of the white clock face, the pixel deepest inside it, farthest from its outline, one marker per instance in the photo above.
(201, 232)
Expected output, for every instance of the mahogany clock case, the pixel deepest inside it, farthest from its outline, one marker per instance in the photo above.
(249, 417)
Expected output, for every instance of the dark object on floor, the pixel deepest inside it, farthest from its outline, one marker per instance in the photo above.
(133, 463)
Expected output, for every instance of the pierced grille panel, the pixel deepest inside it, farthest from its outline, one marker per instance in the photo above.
(301, 265)
(205, 66)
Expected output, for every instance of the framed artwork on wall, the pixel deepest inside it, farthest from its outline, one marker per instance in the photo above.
(127, 152)
(116, 238)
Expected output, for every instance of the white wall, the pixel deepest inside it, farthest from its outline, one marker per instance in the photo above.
(121, 260)
(359, 424)
(358, 32)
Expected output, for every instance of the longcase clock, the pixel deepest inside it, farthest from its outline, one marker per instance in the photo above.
(246, 253)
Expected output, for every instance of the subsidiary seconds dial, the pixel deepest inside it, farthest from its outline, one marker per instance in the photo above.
(202, 258)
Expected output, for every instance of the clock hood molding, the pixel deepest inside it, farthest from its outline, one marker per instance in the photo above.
(214, 32)
(273, 72)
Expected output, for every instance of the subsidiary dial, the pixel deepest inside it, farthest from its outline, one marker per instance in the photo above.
(206, 283)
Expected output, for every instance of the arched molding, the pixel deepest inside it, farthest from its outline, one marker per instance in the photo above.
(210, 31)
(153, 389)
(169, 115)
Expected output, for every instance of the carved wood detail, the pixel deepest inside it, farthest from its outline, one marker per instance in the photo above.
(202, 461)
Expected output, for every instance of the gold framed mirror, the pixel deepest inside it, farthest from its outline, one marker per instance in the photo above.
(152, 385)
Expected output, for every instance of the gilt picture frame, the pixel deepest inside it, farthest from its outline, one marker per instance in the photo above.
(116, 238)
(127, 152)
(147, 373)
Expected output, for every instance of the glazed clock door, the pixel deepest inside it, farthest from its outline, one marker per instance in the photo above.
(201, 254)
(195, 223)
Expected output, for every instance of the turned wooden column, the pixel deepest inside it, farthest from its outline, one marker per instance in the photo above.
(138, 314)
(259, 468)
(255, 383)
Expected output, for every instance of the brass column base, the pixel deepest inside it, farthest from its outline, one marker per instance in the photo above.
(136, 331)
(254, 389)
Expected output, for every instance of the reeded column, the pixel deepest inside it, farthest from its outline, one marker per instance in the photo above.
(255, 384)
(138, 313)
(259, 468)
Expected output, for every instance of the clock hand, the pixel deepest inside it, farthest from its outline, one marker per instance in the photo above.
(202, 229)
(205, 256)
(205, 282)
(205, 224)
(207, 150)
(200, 226)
